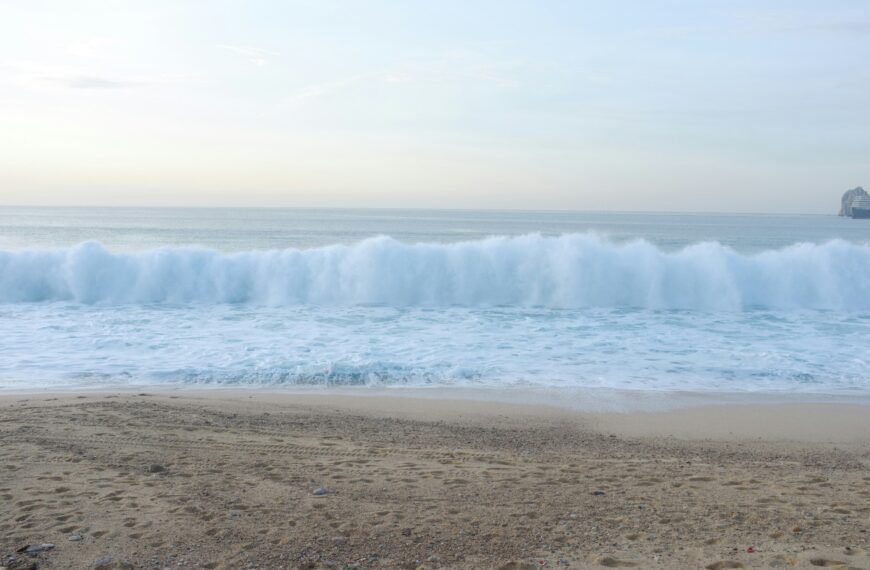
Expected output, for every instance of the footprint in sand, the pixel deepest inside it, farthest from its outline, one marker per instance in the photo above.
(825, 563)
(841, 511)
(723, 564)
(611, 562)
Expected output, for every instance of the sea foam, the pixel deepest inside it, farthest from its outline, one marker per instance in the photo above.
(568, 271)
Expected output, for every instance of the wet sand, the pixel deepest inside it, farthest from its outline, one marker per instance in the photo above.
(226, 479)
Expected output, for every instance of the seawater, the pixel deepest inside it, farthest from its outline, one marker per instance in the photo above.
(489, 300)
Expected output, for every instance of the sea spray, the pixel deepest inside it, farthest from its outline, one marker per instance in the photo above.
(568, 271)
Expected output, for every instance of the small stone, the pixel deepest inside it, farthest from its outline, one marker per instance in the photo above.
(103, 562)
(156, 468)
(340, 540)
(319, 492)
(74, 537)
(599, 493)
(36, 549)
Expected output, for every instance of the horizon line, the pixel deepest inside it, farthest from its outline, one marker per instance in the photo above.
(416, 209)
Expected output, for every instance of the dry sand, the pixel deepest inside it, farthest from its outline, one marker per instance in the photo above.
(225, 480)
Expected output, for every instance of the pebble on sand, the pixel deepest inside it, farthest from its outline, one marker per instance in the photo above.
(36, 548)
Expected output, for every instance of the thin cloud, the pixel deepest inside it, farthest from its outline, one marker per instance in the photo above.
(858, 28)
(22, 73)
(321, 89)
(801, 22)
(255, 55)
(451, 68)
(92, 82)
(96, 47)
(457, 67)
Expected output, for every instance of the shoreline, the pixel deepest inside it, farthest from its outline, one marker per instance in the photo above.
(230, 479)
(577, 398)
(681, 415)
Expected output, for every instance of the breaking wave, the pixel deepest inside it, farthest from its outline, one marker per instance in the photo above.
(569, 271)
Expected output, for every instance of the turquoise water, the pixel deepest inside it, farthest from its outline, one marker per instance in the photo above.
(489, 300)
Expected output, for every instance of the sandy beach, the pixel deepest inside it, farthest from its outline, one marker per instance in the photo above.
(232, 479)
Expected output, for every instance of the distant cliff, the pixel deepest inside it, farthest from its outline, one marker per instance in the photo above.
(846, 202)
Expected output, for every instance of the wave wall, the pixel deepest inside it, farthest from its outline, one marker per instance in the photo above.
(568, 271)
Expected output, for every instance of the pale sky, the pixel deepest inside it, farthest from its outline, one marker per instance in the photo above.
(742, 106)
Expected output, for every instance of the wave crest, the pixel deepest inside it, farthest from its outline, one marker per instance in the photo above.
(569, 271)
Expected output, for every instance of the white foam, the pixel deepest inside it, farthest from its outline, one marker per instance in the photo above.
(73, 345)
(570, 271)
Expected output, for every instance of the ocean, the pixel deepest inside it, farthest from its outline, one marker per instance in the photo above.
(391, 299)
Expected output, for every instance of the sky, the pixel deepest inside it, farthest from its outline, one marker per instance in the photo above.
(737, 106)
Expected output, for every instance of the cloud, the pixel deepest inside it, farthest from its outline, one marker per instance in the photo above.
(858, 28)
(92, 82)
(256, 56)
(321, 89)
(452, 68)
(792, 21)
(457, 67)
(24, 73)
(91, 47)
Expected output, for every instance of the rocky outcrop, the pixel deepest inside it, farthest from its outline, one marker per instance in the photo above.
(846, 203)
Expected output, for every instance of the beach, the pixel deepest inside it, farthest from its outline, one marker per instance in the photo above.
(308, 285)
(267, 479)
